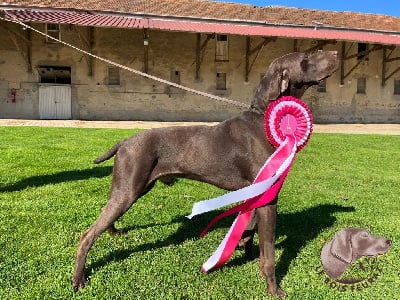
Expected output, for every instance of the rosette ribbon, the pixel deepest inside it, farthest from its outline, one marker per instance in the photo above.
(288, 126)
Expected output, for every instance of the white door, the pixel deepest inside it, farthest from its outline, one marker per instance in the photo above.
(55, 102)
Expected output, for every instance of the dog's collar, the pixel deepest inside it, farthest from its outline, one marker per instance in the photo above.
(256, 110)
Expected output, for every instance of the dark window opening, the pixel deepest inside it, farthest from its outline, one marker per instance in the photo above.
(55, 74)
(222, 38)
(222, 48)
(362, 47)
(361, 85)
(221, 81)
(54, 31)
(113, 76)
(397, 87)
(176, 77)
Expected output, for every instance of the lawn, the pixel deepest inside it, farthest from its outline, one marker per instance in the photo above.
(50, 192)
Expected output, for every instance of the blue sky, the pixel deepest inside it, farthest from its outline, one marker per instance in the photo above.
(385, 7)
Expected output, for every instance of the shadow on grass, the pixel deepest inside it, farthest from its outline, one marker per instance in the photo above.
(302, 227)
(299, 228)
(63, 176)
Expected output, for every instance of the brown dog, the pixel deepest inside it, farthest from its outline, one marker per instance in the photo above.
(228, 155)
(347, 246)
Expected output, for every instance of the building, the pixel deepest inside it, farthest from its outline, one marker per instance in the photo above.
(219, 48)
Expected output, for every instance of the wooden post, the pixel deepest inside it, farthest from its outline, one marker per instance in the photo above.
(198, 58)
(91, 45)
(248, 41)
(342, 58)
(146, 50)
(29, 49)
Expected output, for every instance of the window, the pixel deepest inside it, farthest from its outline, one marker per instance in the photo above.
(113, 76)
(322, 87)
(397, 87)
(54, 31)
(221, 81)
(176, 77)
(361, 85)
(222, 48)
(55, 74)
(361, 48)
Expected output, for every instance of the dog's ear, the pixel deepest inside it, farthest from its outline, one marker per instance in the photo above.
(278, 83)
(285, 79)
(341, 246)
(272, 85)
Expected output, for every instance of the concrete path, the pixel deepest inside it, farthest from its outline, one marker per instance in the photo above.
(392, 129)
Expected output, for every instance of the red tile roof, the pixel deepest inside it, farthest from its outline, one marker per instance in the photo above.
(219, 17)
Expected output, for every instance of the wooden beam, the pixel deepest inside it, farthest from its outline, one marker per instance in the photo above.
(84, 41)
(200, 51)
(385, 60)
(247, 65)
(29, 49)
(9, 30)
(256, 50)
(342, 57)
(383, 66)
(146, 50)
(16, 44)
(295, 45)
(366, 52)
(391, 74)
(91, 45)
(355, 66)
(87, 44)
(25, 50)
(345, 56)
(198, 60)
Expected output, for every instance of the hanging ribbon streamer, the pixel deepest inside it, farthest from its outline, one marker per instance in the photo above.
(288, 126)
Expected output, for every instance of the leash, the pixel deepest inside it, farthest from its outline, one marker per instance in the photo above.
(14, 19)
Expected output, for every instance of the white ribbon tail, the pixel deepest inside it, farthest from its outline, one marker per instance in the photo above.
(242, 194)
(232, 197)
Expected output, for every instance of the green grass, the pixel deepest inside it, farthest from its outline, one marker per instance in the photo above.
(50, 192)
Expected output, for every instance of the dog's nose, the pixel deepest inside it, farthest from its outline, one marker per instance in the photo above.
(388, 242)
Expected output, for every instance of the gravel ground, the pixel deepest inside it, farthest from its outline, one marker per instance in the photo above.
(392, 129)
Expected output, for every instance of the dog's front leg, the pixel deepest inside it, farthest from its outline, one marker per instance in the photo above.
(246, 241)
(266, 220)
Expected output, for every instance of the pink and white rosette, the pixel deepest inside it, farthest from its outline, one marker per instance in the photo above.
(288, 126)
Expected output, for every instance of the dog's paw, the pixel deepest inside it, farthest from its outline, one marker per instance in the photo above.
(277, 293)
(79, 282)
(114, 231)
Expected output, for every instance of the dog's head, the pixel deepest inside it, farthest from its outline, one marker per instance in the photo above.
(350, 244)
(347, 246)
(292, 74)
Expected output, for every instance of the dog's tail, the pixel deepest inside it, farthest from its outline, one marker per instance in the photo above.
(110, 153)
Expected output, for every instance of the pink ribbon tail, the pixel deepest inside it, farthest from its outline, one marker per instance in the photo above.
(279, 163)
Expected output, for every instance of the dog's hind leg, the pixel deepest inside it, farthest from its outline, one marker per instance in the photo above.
(109, 214)
(129, 183)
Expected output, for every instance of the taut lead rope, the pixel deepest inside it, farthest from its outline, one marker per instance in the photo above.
(12, 18)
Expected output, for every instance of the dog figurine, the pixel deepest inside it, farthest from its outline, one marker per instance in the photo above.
(347, 247)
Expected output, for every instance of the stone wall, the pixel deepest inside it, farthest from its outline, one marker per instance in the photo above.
(138, 98)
